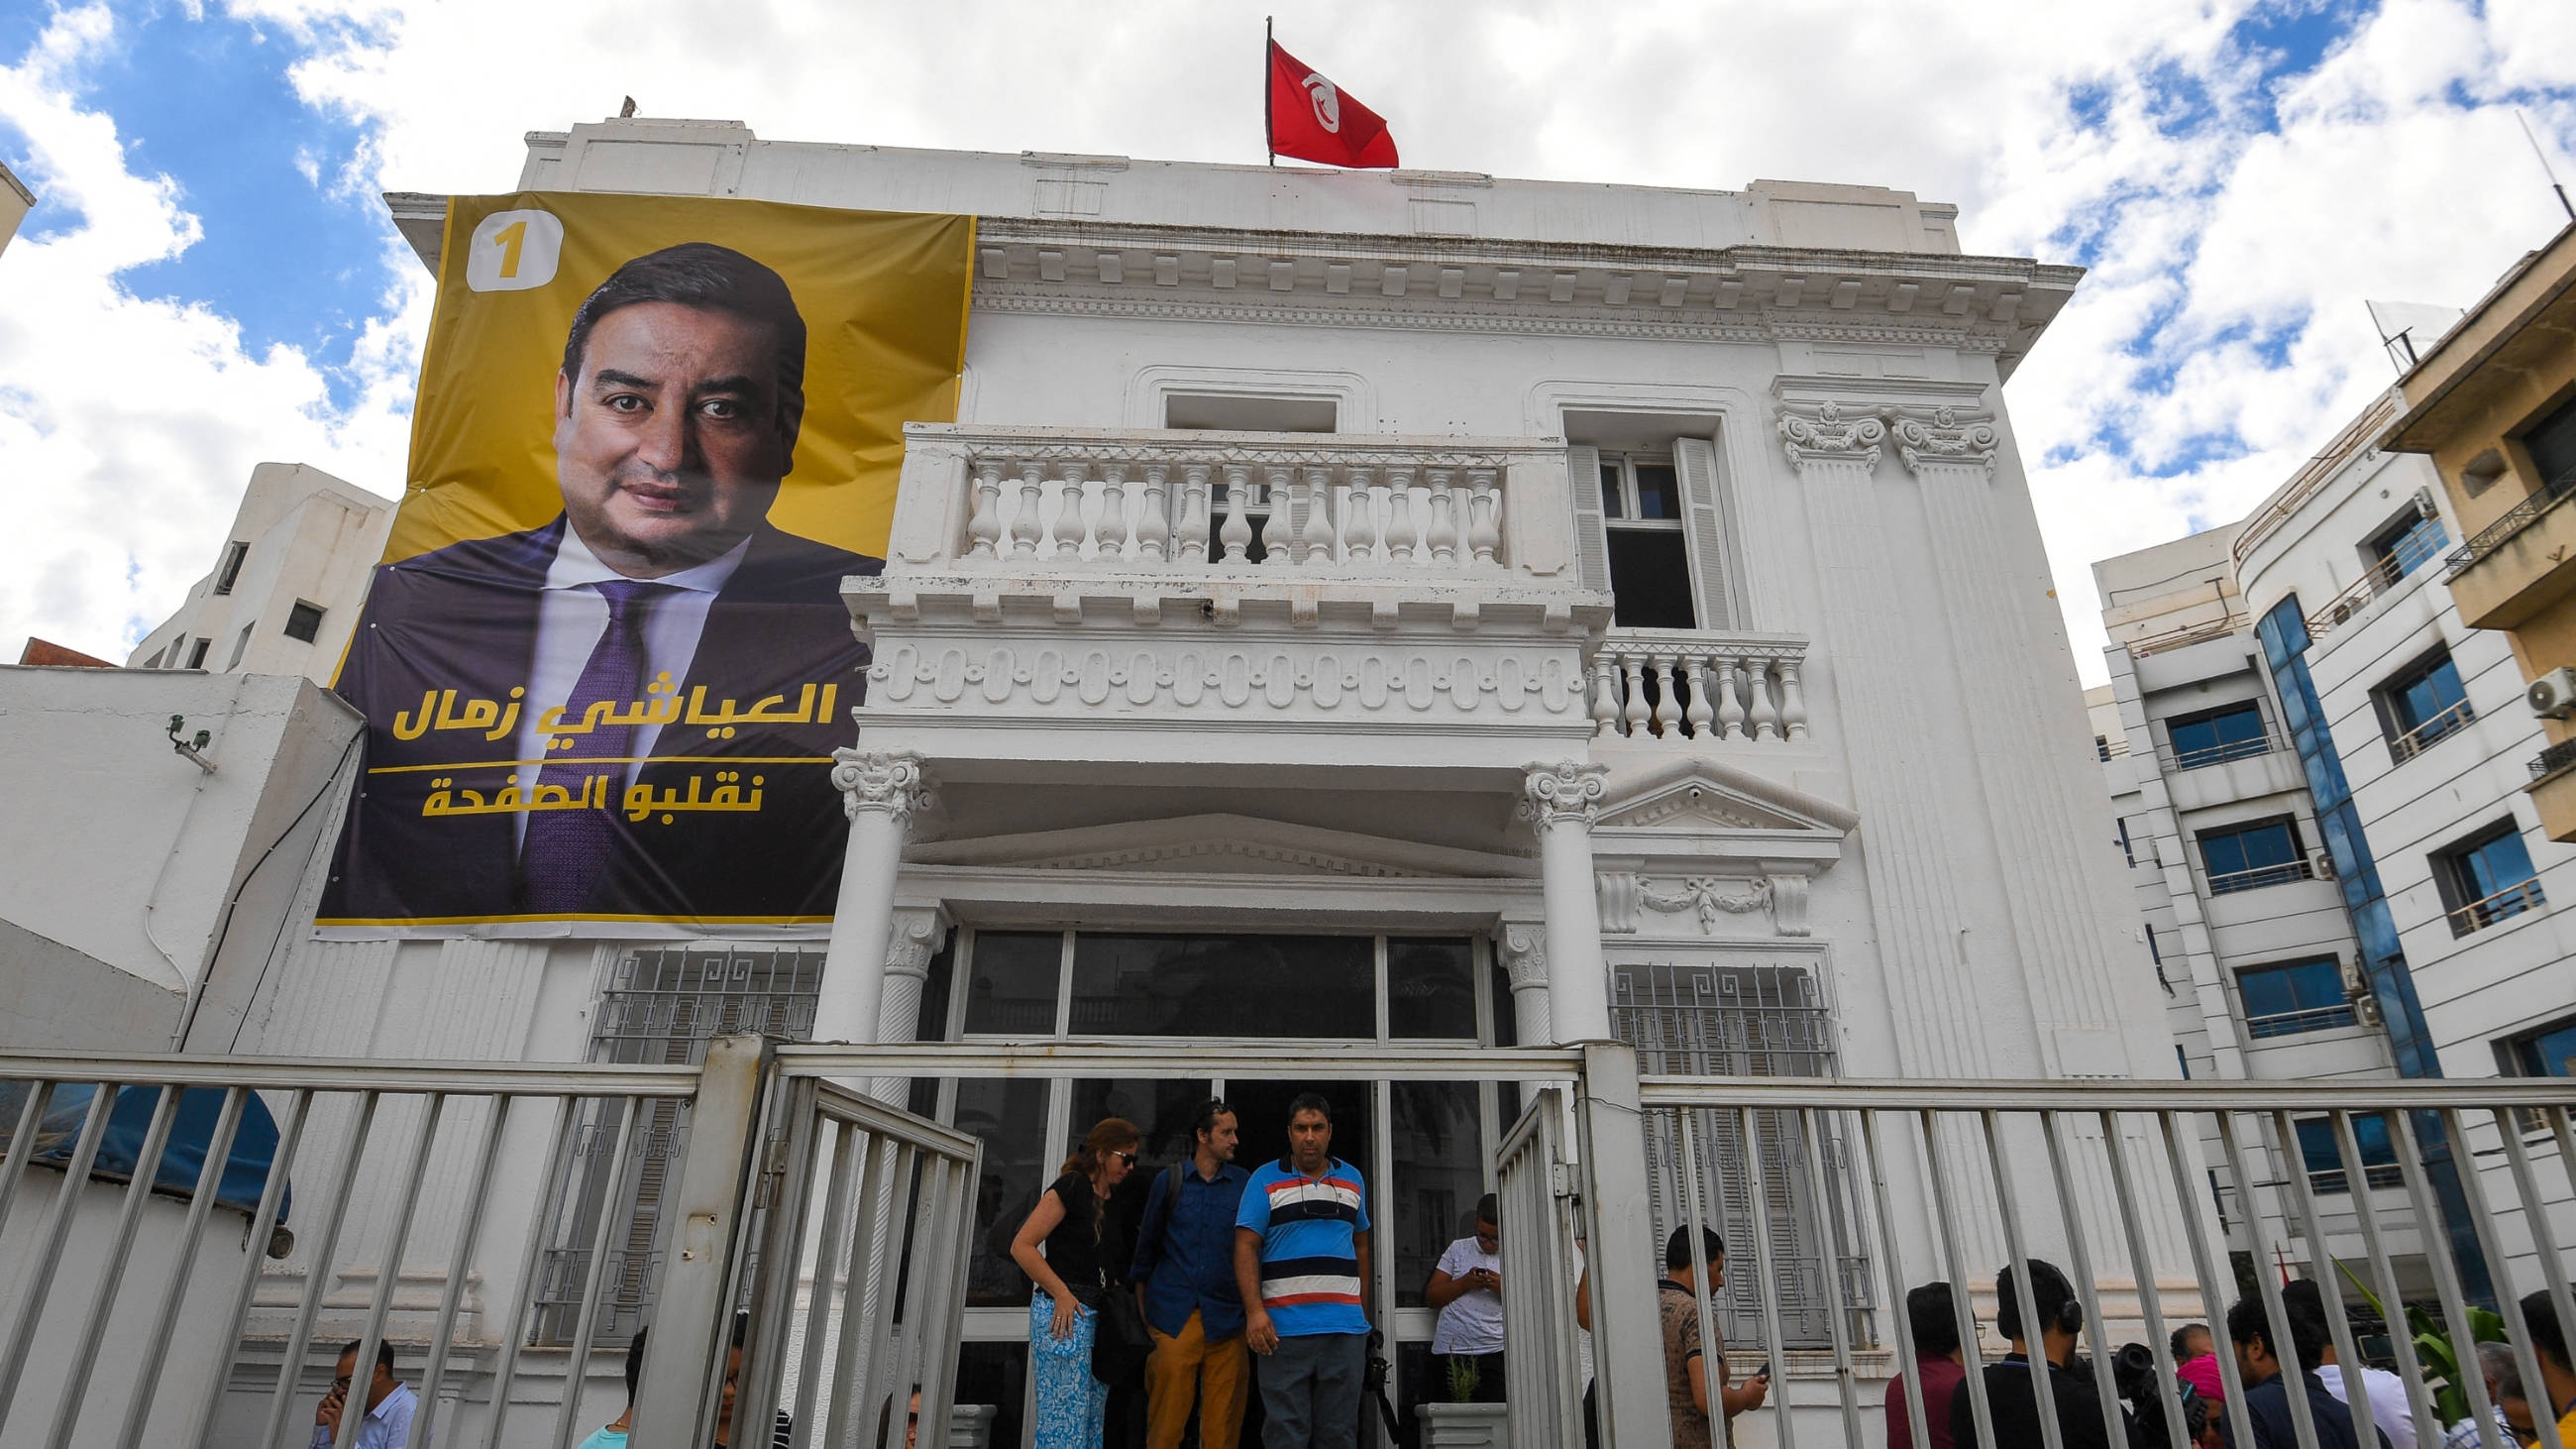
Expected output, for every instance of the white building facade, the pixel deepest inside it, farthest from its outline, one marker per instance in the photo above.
(285, 588)
(1375, 607)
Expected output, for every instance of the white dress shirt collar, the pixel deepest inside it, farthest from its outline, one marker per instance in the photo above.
(575, 565)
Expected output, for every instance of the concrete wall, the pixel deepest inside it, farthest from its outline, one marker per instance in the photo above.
(313, 539)
(128, 860)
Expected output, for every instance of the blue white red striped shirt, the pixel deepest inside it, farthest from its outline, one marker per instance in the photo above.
(1309, 1226)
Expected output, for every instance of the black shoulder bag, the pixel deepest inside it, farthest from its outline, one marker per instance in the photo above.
(1119, 1343)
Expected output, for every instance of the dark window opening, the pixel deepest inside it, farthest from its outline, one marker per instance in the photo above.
(2215, 736)
(2324, 1158)
(304, 621)
(2548, 1052)
(2403, 546)
(1650, 580)
(2247, 857)
(2295, 997)
(2423, 704)
(2487, 879)
(229, 571)
(2552, 445)
(197, 653)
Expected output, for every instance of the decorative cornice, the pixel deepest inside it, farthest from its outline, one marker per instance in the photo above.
(1822, 433)
(1943, 435)
(891, 781)
(1564, 793)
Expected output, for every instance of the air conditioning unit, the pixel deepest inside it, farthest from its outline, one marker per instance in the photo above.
(2553, 695)
(2321, 861)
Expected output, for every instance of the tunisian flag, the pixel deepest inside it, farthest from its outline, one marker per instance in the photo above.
(1314, 120)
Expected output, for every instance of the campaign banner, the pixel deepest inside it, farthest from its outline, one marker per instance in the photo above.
(605, 659)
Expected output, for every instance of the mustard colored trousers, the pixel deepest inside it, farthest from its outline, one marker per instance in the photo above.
(1186, 1368)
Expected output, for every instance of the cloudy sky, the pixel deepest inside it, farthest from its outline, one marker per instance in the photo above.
(210, 281)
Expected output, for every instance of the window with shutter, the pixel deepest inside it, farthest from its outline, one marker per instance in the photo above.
(1704, 531)
(1591, 549)
(1643, 530)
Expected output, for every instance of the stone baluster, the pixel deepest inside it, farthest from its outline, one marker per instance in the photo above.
(1484, 515)
(1318, 533)
(1636, 713)
(1112, 532)
(1699, 714)
(1730, 712)
(1153, 519)
(1359, 519)
(1277, 532)
(1193, 541)
(985, 528)
(1444, 518)
(1237, 534)
(1793, 701)
(1024, 525)
(1605, 694)
(1757, 682)
(1068, 514)
(1400, 537)
(1668, 707)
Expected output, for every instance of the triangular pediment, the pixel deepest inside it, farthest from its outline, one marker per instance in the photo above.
(1698, 793)
(1220, 844)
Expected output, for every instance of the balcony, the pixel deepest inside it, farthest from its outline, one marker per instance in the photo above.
(2431, 732)
(2504, 905)
(2292, 1023)
(2261, 876)
(1680, 686)
(2521, 563)
(2553, 789)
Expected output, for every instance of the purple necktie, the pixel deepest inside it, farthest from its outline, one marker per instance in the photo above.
(565, 851)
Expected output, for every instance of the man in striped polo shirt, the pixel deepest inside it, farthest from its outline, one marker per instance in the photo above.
(1301, 1261)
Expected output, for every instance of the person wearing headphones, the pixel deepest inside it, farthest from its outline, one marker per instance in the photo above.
(2010, 1392)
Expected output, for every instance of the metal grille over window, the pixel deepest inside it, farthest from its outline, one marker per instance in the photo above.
(661, 1007)
(1753, 1021)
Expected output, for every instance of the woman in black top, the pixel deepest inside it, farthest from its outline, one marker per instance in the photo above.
(1085, 1256)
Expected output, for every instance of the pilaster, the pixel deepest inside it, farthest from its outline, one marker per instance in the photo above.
(1562, 801)
(881, 792)
(1521, 947)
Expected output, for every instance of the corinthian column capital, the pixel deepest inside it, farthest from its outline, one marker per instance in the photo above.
(1936, 435)
(1827, 432)
(1522, 946)
(892, 782)
(914, 939)
(1566, 792)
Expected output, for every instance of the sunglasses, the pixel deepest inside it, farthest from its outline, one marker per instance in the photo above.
(1126, 1157)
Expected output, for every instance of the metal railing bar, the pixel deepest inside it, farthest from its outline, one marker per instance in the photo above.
(22, 1144)
(577, 1360)
(443, 1334)
(1712, 1364)
(1245, 1056)
(790, 1124)
(2142, 1272)
(2204, 1268)
(532, 1257)
(165, 1319)
(1845, 1377)
(111, 1272)
(2267, 1285)
(880, 1120)
(1955, 1095)
(389, 1263)
(45, 1249)
(2383, 1274)
(263, 1221)
(1765, 1259)
(354, 1074)
(930, 1290)
(938, 1369)
(2508, 1307)
(2437, 1253)
(2544, 1241)
(2034, 1328)
(2348, 1360)
(759, 1202)
(1981, 1412)
(885, 1246)
(1907, 1352)
(290, 1364)
(829, 1251)
(2080, 1263)
(869, 1203)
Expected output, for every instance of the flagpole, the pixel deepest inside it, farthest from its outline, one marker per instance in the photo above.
(1267, 43)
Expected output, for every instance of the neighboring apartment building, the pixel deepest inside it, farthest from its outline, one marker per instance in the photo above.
(1631, 557)
(15, 202)
(285, 587)
(2345, 812)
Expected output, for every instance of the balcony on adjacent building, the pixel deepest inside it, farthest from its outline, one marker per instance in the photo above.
(2520, 564)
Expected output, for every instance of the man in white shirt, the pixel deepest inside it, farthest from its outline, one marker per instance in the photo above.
(1467, 1288)
(630, 710)
(2389, 1412)
(390, 1403)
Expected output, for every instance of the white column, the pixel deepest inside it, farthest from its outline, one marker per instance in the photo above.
(1522, 950)
(912, 940)
(1561, 801)
(881, 790)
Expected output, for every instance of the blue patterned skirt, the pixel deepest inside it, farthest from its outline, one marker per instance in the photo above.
(1070, 1400)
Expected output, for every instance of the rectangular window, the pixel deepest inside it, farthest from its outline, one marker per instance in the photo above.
(2128, 849)
(2487, 879)
(2404, 546)
(304, 621)
(2215, 736)
(2422, 704)
(2552, 445)
(228, 572)
(197, 653)
(2324, 1159)
(2294, 997)
(2248, 857)
(2547, 1052)
(1210, 986)
(241, 646)
(1650, 572)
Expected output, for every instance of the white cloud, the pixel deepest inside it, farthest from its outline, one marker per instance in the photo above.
(2396, 171)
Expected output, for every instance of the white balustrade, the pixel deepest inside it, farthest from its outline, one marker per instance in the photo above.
(1678, 685)
(1338, 505)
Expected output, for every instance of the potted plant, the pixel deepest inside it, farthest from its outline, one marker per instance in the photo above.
(1459, 1423)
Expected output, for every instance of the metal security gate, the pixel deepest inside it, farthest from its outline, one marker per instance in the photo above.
(1534, 1187)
